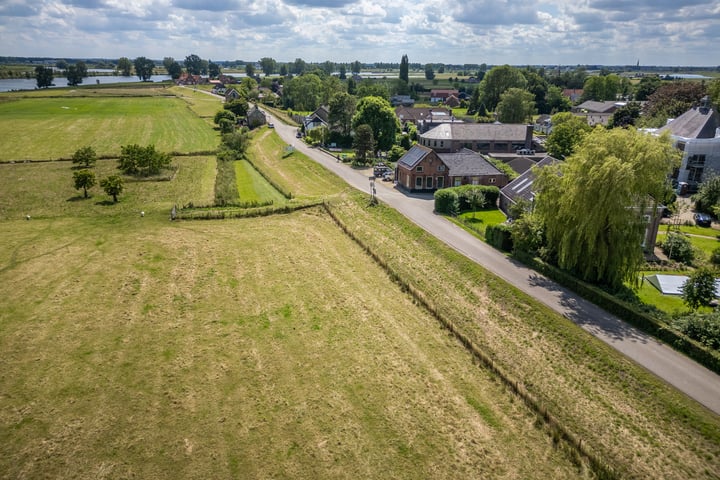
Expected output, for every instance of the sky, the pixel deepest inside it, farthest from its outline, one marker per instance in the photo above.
(495, 32)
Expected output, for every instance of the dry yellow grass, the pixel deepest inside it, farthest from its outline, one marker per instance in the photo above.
(259, 348)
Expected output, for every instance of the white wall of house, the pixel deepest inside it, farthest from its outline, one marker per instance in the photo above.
(700, 160)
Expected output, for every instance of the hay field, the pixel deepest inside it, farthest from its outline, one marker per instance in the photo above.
(257, 348)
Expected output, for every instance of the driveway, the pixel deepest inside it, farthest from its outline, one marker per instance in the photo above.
(678, 370)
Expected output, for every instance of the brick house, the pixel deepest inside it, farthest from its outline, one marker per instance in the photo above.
(422, 169)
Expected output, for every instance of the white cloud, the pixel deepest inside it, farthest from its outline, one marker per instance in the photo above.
(670, 32)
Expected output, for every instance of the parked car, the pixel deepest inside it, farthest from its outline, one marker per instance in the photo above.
(388, 177)
(271, 125)
(702, 219)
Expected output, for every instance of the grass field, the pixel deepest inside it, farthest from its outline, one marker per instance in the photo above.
(202, 104)
(47, 190)
(142, 348)
(294, 172)
(252, 187)
(277, 348)
(52, 128)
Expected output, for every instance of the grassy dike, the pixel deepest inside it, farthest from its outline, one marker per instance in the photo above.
(621, 415)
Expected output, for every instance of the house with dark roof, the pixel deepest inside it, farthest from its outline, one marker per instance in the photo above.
(696, 133)
(422, 169)
(316, 119)
(479, 137)
(522, 186)
(597, 113)
(424, 118)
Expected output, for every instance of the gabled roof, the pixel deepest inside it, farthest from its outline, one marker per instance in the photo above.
(414, 156)
(698, 122)
(466, 163)
(414, 114)
(599, 107)
(521, 187)
(322, 113)
(478, 131)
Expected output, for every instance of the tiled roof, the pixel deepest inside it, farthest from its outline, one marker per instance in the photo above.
(466, 163)
(478, 131)
(698, 122)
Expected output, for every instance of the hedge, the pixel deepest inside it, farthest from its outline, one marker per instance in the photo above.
(499, 236)
(446, 201)
(463, 197)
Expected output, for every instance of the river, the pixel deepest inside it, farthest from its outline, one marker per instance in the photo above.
(10, 84)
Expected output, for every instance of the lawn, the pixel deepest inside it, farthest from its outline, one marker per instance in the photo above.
(52, 128)
(252, 187)
(481, 219)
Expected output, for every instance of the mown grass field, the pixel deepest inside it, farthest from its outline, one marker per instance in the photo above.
(277, 348)
(252, 187)
(52, 128)
(294, 172)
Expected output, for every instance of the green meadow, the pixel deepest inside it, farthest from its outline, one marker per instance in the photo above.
(53, 128)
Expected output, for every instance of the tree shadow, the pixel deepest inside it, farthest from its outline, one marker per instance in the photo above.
(589, 316)
(105, 202)
(78, 198)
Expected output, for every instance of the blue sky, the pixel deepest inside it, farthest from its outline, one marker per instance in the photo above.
(607, 32)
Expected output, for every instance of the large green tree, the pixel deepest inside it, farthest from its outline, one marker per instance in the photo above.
(268, 65)
(144, 68)
(497, 81)
(144, 161)
(85, 157)
(516, 106)
(113, 186)
(380, 116)
(75, 73)
(43, 76)
(195, 65)
(342, 108)
(124, 66)
(174, 70)
(303, 92)
(84, 179)
(567, 133)
(593, 205)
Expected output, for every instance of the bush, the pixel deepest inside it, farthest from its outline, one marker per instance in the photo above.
(446, 201)
(678, 247)
(715, 256)
(705, 328)
(499, 236)
(143, 161)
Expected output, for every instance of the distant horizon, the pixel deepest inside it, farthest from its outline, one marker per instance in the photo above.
(50, 58)
(680, 33)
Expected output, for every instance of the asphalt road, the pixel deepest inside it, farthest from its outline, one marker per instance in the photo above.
(676, 369)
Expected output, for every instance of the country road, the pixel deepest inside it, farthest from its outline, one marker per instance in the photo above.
(678, 370)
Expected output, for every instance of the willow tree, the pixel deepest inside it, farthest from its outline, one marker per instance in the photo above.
(595, 205)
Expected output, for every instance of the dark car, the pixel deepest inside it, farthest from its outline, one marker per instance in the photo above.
(702, 219)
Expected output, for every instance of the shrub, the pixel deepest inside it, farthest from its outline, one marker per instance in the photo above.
(715, 256)
(705, 328)
(678, 247)
(446, 201)
(144, 161)
(499, 236)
